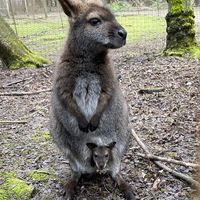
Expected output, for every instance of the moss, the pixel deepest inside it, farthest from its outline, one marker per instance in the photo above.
(176, 6)
(180, 30)
(39, 175)
(14, 53)
(192, 50)
(195, 50)
(3, 195)
(41, 136)
(14, 188)
(29, 60)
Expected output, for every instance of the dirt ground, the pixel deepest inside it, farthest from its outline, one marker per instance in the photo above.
(165, 121)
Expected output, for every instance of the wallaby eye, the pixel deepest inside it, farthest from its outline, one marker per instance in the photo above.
(94, 21)
(106, 155)
(95, 155)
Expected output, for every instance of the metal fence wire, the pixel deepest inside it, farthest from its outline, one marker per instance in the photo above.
(42, 25)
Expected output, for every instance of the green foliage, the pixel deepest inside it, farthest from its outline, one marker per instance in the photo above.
(119, 6)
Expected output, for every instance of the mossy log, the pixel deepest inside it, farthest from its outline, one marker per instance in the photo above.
(181, 29)
(13, 53)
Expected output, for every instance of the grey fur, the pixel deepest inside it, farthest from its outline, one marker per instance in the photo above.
(87, 92)
(83, 53)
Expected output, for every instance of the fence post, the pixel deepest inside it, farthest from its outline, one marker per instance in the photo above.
(26, 7)
(13, 16)
(8, 8)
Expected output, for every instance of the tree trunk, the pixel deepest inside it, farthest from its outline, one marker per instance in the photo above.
(13, 52)
(180, 28)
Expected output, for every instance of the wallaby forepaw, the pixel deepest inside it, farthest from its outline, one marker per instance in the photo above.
(84, 129)
(94, 123)
(92, 127)
(83, 126)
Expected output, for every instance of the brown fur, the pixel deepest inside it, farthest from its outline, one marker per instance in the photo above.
(69, 69)
(66, 75)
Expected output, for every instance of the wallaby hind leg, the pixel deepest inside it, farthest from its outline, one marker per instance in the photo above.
(124, 187)
(71, 185)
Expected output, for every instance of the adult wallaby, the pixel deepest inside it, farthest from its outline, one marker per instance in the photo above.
(87, 103)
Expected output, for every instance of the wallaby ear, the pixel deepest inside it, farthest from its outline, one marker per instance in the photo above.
(71, 7)
(111, 145)
(91, 145)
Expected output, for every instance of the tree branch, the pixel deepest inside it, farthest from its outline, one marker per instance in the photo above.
(150, 90)
(25, 93)
(182, 176)
(17, 81)
(13, 122)
(169, 160)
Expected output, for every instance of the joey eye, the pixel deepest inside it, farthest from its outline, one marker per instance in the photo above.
(95, 155)
(106, 155)
(94, 21)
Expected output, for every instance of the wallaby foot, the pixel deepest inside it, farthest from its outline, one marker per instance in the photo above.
(124, 187)
(71, 186)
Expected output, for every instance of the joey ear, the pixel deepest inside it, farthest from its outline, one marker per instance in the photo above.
(71, 7)
(111, 145)
(91, 145)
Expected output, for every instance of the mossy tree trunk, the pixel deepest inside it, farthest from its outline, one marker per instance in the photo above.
(13, 53)
(180, 28)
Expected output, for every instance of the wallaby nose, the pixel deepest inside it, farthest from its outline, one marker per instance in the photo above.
(122, 33)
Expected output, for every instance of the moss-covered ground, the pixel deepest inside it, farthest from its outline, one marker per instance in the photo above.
(14, 188)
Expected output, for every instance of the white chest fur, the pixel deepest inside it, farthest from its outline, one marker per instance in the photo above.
(86, 93)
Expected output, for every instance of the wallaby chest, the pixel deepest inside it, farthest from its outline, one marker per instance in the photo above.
(86, 93)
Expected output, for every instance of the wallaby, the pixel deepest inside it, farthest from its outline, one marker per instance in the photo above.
(101, 155)
(87, 103)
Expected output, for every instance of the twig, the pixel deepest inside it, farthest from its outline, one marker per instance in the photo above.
(186, 178)
(18, 81)
(169, 160)
(151, 90)
(24, 93)
(13, 122)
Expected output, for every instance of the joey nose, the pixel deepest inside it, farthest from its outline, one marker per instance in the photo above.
(122, 34)
(101, 166)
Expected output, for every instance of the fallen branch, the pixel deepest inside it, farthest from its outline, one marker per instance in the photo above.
(150, 90)
(24, 93)
(17, 81)
(182, 176)
(13, 122)
(169, 160)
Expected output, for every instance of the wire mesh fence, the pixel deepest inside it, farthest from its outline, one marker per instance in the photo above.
(42, 25)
